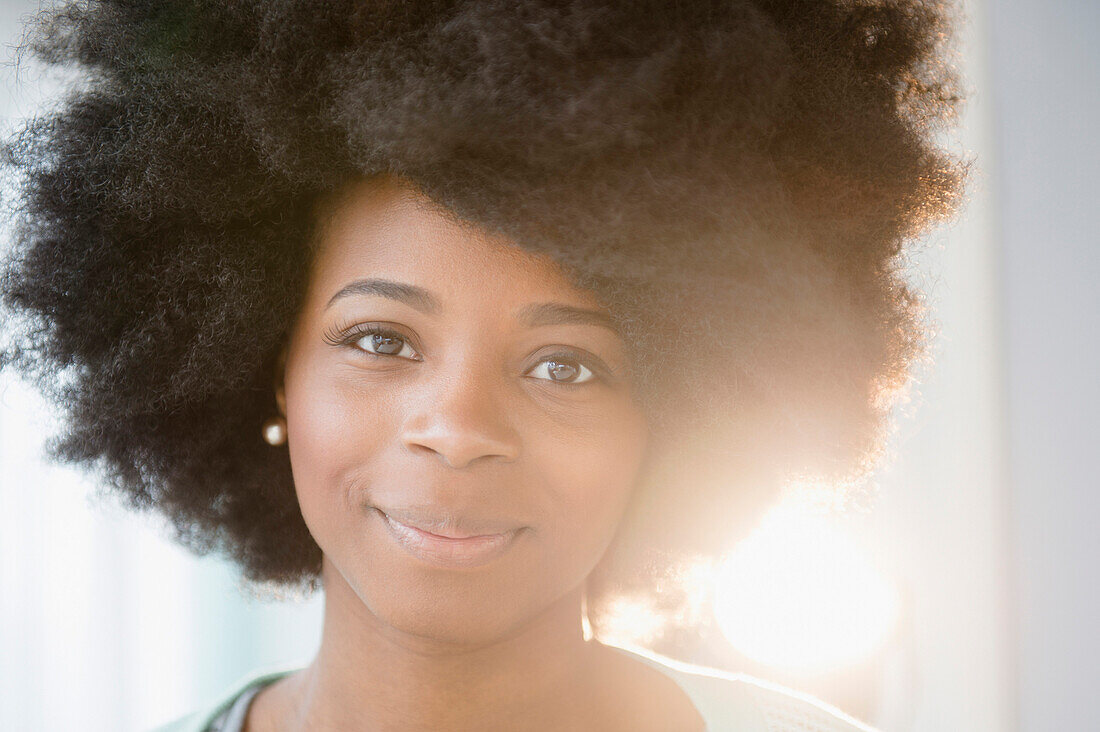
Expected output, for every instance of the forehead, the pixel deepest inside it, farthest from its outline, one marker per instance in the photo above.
(385, 228)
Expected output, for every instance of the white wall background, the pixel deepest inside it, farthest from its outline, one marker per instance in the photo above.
(985, 517)
(1047, 87)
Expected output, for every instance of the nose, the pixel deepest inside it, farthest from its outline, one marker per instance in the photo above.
(461, 418)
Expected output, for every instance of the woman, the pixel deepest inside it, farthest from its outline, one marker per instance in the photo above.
(477, 315)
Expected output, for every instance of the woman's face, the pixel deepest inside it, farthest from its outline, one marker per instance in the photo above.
(460, 424)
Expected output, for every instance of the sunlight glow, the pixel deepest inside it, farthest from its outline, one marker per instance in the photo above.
(632, 621)
(799, 594)
(679, 598)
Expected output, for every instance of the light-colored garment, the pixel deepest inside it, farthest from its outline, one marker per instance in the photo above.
(727, 702)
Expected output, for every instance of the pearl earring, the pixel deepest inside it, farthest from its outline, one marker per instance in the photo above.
(274, 431)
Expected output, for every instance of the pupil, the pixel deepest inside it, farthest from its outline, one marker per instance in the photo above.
(387, 345)
(564, 370)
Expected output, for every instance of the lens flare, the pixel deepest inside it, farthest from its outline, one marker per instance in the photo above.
(799, 594)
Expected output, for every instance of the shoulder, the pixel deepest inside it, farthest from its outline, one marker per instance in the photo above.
(728, 702)
(200, 719)
(731, 702)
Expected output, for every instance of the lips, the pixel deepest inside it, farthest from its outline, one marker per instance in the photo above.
(449, 528)
(448, 543)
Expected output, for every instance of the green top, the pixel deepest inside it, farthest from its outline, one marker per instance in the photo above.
(727, 702)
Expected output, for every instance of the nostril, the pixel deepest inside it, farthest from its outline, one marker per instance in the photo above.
(459, 450)
(460, 441)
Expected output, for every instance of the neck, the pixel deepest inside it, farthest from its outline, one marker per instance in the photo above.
(368, 675)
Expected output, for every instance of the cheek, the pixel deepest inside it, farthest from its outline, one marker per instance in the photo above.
(591, 473)
(333, 426)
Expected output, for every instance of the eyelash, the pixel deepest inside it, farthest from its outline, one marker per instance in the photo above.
(349, 336)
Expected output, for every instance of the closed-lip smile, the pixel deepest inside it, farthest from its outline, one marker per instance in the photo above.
(453, 547)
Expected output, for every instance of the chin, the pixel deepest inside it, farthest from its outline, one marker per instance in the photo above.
(461, 618)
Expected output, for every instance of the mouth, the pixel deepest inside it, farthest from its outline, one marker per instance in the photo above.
(453, 546)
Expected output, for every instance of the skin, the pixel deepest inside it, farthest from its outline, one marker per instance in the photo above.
(461, 414)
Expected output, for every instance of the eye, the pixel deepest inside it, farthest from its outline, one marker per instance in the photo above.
(373, 339)
(383, 342)
(562, 369)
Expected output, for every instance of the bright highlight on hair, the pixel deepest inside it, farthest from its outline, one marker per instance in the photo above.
(800, 594)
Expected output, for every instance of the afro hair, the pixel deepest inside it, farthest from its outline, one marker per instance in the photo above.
(736, 179)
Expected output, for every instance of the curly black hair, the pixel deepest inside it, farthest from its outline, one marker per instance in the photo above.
(736, 179)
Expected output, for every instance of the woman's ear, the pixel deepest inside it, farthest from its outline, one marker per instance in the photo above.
(280, 370)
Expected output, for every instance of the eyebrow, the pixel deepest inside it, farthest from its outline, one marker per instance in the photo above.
(532, 315)
(415, 297)
(556, 313)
